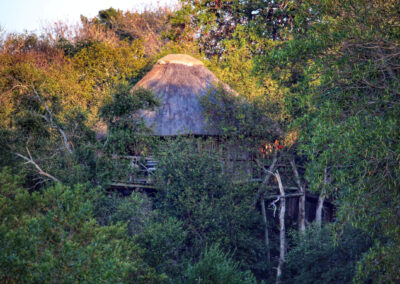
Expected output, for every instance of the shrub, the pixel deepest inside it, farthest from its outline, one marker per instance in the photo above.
(318, 258)
(216, 267)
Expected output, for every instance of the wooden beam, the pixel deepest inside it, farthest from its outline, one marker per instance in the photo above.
(132, 185)
(285, 196)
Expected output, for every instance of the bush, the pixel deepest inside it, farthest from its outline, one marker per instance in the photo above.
(51, 236)
(161, 240)
(134, 210)
(164, 246)
(318, 258)
(193, 187)
(216, 267)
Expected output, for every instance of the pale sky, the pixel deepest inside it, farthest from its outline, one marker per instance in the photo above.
(31, 15)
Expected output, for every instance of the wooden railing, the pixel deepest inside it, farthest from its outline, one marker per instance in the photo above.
(141, 176)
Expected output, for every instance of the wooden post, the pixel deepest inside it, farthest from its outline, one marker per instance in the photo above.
(302, 198)
(260, 194)
(266, 234)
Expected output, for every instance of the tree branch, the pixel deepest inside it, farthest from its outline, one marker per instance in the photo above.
(31, 161)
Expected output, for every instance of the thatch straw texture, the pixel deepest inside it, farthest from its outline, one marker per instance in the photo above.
(178, 81)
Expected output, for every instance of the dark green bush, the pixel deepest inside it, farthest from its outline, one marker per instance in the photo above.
(52, 237)
(217, 267)
(193, 188)
(318, 257)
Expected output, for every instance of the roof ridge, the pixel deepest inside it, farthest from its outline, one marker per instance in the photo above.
(183, 59)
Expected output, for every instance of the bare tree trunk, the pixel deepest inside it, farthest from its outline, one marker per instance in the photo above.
(266, 234)
(302, 199)
(321, 199)
(282, 231)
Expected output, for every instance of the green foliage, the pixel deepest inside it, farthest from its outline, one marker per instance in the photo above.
(214, 22)
(134, 210)
(379, 264)
(107, 16)
(239, 118)
(164, 240)
(318, 255)
(193, 187)
(325, 87)
(51, 236)
(104, 66)
(50, 103)
(214, 266)
(126, 130)
(340, 68)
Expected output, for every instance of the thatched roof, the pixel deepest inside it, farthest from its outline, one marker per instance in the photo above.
(178, 81)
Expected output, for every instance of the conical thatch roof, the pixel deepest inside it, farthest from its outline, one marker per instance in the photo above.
(178, 81)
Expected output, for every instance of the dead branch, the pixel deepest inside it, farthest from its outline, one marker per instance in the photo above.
(278, 197)
(39, 169)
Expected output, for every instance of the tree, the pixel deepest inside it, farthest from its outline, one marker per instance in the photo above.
(193, 188)
(126, 130)
(52, 101)
(217, 21)
(341, 66)
(325, 258)
(148, 26)
(55, 235)
(214, 266)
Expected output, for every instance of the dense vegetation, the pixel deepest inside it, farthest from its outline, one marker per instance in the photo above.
(318, 110)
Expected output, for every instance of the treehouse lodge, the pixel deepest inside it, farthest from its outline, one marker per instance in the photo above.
(178, 81)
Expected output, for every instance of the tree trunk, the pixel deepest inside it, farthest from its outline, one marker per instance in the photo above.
(321, 199)
(302, 198)
(266, 234)
(282, 231)
(320, 206)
